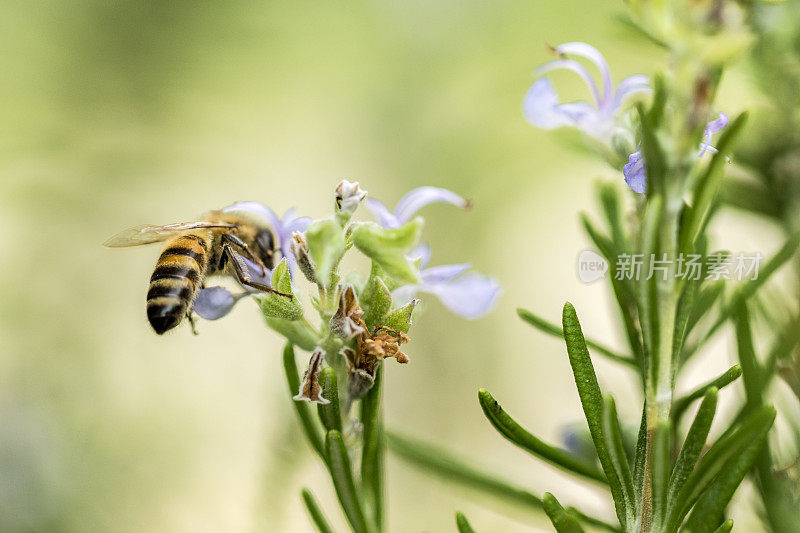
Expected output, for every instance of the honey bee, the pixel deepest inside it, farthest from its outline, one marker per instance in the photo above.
(221, 243)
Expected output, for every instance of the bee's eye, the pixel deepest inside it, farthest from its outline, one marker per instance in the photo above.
(266, 246)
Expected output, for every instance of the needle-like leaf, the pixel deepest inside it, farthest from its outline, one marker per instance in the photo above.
(463, 524)
(342, 476)
(681, 404)
(693, 445)
(548, 327)
(592, 402)
(439, 462)
(315, 512)
(710, 506)
(562, 520)
(515, 433)
(721, 458)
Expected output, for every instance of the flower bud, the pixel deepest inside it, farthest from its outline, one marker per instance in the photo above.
(299, 248)
(359, 383)
(348, 196)
(346, 322)
(310, 389)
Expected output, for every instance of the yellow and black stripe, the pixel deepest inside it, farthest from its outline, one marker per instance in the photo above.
(179, 273)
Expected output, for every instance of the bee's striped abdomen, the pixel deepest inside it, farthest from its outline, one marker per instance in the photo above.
(178, 274)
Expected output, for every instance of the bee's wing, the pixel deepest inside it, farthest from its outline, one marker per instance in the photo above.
(147, 233)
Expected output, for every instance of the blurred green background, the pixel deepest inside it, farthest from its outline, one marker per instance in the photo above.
(121, 113)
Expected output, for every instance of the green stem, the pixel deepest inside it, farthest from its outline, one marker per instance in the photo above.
(660, 378)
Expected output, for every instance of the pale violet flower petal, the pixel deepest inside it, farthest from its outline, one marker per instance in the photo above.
(403, 295)
(540, 106)
(258, 209)
(443, 273)
(256, 272)
(385, 217)
(592, 54)
(421, 253)
(716, 125)
(634, 172)
(213, 303)
(630, 86)
(574, 66)
(422, 196)
(470, 295)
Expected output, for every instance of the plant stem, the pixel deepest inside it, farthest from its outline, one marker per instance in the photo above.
(659, 380)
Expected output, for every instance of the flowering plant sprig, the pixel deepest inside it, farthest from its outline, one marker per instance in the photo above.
(666, 477)
(351, 324)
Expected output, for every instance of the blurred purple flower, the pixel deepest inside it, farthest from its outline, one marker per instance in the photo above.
(411, 203)
(635, 172)
(467, 294)
(597, 119)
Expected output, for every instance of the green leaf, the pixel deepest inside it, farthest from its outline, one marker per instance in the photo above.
(592, 403)
(329, 413)
(752, 373)
(705, 300)
(680, 405)
(693, 445)
(623, 288)
(726, 526)
(747, 289)
(436, 461)
(296, 332)
(388, 247)
(561, 519)
(616, 451)
(342, 476)
(376, 301)
(707, 186)
(652, 151)
(277, 306)
(463, 524)
(684, 312)
(326, 246)
(372, 452)
(751, 196)
(711, 505)
(610, 203)
(400, 319)
(315, 513)
(720, 460)
(548, 327)
(512, 431)
(302, 409)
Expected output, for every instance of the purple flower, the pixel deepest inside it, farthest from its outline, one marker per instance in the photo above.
(212, 303)
(411, 203)
(215, 302)
(283, 227)
(635, 172)
(467, 294)
(597, 119)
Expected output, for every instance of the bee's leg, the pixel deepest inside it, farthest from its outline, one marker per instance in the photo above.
(192, 323)
(229, 238)
(243, 276)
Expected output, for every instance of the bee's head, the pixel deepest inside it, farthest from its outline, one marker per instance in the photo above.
(265, 247)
